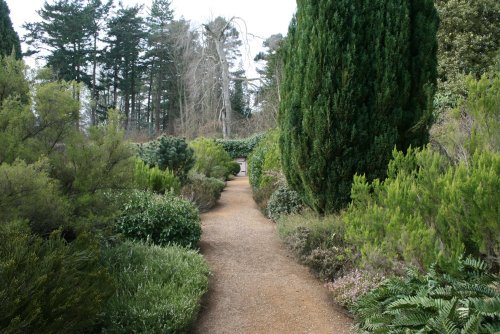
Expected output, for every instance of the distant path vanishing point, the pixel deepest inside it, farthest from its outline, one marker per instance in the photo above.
(257, 286)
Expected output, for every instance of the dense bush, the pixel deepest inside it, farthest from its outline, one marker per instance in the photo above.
(203, 191)
(234, 168)
(28, 193)
(264, 166)
(240, 148)
(158, 289)
(50, 286)
(169, 152)
(160, 219)
(427, 209)
(155, 179)
(359, 79)
(211, 159)
(318, 243)
(442, 301)
(283, 201)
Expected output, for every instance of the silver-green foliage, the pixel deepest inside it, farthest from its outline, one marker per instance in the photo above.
(283, 201)
(465, 300)
(158, 289)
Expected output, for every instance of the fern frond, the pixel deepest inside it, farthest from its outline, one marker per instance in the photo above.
(472, 325)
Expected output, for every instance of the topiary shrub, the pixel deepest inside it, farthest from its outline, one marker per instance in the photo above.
(168, 152)
(463, 300)
(203, 191)
(155, 179)
(158, 288)
(211, 159)
(49, 285)
(283, 201)
(160, 219)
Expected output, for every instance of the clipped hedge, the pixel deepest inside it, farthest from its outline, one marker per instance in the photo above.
(240, 148)
(158, 289)
(160, 219)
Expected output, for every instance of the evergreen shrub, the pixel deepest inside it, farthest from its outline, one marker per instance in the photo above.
(319, 243)
(210, 158)
(49, 285)
(203, 191)
(283, 202)
(465, 300)
(234, 168)
(155, 179)
(427, 209)
(168, 152)
(158, 289)
(160, 219)
(240, 148)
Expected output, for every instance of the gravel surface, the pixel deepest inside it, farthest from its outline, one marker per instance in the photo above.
(256, 285)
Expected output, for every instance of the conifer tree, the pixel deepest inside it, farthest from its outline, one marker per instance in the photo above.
(358, 80)
(9, 40)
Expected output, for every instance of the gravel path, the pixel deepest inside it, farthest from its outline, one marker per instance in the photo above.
(257, 287)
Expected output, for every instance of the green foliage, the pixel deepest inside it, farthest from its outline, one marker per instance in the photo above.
(203, 191)
(158, 289)
(234, 168)
(50, 286)
(160, 219)
(427, 210)
(12, 79)
(211, 158)
(463, 301)
(92, 166)
(318, 242)
(240, 148)
(474, 124)
(283, 202)
(155, 179)
(359, 79)
(9, 39)
(169, 152)
(28, 193)
(264, 164)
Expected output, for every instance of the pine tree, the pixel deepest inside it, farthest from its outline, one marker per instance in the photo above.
(9, 40)
(358, 80)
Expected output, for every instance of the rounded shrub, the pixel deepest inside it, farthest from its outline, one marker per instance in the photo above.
(158, 288)
(160, 219)
(203, 191)
(234, 168)
(211, 158)
(283, 201)
(168, 153)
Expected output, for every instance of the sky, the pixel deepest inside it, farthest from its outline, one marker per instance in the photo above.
(259, 18)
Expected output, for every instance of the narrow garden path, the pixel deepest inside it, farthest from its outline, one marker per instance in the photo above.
(256, 285)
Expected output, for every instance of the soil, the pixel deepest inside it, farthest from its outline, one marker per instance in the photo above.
(256, 285)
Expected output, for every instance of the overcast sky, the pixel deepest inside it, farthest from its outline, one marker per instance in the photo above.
(263, 18)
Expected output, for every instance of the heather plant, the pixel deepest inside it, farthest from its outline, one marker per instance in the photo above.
(159, 219)
(202, 191)
(319, 243)
(427, 209)
(464, 300)
(158, 289)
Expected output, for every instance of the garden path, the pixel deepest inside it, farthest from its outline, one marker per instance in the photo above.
(256, 286)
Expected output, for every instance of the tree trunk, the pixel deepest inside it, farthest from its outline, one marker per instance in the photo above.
(226, 115)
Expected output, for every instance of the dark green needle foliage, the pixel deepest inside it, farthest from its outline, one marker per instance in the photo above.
(359, 78)
(9, 40)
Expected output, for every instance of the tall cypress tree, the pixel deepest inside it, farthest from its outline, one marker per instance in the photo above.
(358, 80)
(9, 40)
